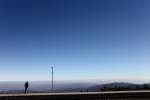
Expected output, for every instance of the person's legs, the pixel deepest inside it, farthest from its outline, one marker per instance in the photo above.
(25, 90)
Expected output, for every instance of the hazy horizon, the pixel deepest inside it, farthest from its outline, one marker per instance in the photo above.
(62, 86)
(92, 81)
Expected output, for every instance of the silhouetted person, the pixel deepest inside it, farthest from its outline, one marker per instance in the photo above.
(26, 85)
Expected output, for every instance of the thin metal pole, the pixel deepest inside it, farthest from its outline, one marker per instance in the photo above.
(52, 78)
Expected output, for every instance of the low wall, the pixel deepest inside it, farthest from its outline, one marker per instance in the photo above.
(122, 95)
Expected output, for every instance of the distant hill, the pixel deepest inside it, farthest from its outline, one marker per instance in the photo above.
(111, 85)
(119, 86)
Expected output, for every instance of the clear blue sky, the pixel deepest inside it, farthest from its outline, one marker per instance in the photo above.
(82, 39)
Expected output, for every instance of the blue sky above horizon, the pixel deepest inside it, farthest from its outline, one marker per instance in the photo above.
(82, 39)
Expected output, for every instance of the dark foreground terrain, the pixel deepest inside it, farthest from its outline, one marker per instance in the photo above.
(119, 95)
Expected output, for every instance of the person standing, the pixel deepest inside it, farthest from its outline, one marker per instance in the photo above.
(26, 86)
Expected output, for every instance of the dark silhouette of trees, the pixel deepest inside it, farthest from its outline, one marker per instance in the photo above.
(145, 87)
(137, 87)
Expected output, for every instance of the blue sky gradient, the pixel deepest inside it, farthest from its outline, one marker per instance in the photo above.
(83, 39)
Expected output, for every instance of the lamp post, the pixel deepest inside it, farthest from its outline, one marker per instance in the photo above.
(52, 79)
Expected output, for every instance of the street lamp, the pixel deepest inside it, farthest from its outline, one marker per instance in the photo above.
(52, 79)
